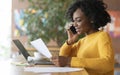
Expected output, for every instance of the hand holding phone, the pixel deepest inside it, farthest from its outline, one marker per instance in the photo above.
(69, 25)
(72, 28)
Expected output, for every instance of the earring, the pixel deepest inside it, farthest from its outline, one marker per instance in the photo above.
(91, 21)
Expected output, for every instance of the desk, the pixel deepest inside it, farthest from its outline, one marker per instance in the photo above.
(7, 68)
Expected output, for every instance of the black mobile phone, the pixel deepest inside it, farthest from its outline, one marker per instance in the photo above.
(72, 28)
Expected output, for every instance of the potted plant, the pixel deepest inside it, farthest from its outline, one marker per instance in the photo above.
(46, 19)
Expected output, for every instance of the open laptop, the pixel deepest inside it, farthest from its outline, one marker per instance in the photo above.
(26, 54)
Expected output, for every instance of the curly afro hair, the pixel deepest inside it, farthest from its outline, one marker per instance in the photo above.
(95, 11)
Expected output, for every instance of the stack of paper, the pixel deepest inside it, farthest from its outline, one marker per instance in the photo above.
(51, 69)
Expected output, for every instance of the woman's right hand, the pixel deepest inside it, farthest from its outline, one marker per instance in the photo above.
(61, 61)
(71, 37)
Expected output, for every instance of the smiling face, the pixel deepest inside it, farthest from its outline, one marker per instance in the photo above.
(82, 23)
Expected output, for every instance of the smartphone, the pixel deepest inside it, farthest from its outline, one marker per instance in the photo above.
(72, 28)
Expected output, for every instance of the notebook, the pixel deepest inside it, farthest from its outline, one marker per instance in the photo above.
(26, 54)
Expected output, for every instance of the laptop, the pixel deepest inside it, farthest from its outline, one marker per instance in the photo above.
(26, 54)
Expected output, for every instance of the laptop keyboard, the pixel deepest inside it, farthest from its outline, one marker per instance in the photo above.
(43, 63)
(40, 62)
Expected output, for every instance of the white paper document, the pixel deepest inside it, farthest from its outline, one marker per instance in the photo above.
(51, 69)
(40, 46)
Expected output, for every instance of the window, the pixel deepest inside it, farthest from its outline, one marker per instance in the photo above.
(5, 29)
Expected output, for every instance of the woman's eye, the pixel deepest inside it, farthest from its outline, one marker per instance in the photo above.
(78, 20)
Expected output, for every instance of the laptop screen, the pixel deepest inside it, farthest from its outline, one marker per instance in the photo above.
(21, 48)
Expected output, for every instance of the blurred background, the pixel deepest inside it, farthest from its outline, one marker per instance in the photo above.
(28, 20)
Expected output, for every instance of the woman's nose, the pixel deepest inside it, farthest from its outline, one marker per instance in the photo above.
(75, 24)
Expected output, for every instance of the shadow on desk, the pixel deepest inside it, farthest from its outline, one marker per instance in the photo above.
(117, 69)
(117, 65)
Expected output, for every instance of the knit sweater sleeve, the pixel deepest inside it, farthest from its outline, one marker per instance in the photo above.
(69, 50)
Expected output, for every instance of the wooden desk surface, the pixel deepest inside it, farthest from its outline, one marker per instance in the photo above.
(7, 68)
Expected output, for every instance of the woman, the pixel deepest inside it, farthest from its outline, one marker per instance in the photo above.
(93, 52)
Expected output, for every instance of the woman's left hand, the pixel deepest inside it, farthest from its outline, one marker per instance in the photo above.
(61, 61)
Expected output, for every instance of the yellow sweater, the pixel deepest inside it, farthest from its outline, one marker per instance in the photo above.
(93, 52)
